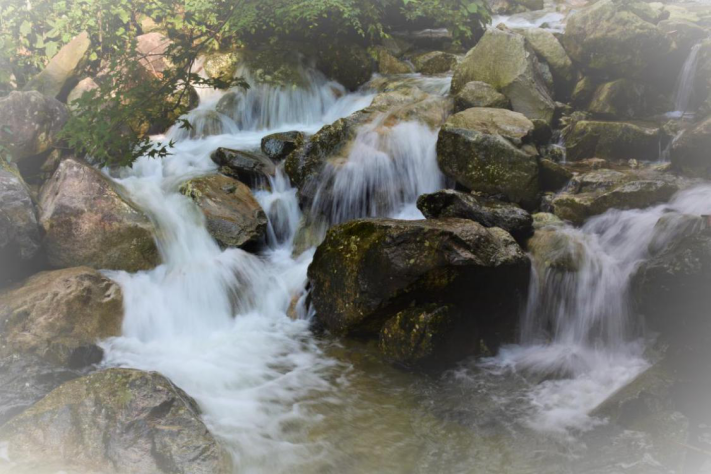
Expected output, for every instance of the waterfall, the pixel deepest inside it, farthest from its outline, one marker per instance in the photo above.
(684, 88)
(579, 333)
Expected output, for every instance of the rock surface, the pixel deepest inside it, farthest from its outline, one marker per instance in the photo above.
(64, 69)
(690, 152)
(506, 61)
(59, 316)
(549, 50)
(348, 64)
(29, 123)
(88, 221)
(627, 99)
(479, 94)
(151, 49)
(487, 212)
(366, 271)
(478, 148)
(434, 62)
(234, 217)
(250, 168)
(278, 146)
(115, 421)
(612, 141)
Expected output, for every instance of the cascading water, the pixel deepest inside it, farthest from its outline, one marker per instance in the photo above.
(684, 88)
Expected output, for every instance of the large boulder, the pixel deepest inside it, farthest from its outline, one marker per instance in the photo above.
(615, 38)
(30, 123)
(252, 169)
(506, 61)
(434, 62)
(59, 316)
(20, 239)
(627, 99)
(690, 152)
(389, 64)
(152, 49)
(366, 271)
(88, 220)
(349, 64)
(114, 421)
(480, 149)
(549, 50)
(612, 141)
(234, 217)
(221, 65)
(486, 211)
(64, 69)
(479, 94)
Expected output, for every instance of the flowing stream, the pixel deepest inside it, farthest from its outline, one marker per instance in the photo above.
(281, 399)
(684, 88)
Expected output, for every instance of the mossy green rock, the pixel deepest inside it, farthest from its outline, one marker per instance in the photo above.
(691, 152)
(30, 123)
(553, 248)
(221, 65)
(612, 141)
(89, 220)
(64, 69)
(114, 421)
(472, 151)
(615, 37)
(59, 316)
(434, 62)
(627, 99)
(506, 61)
(349, 64)
(480, 94)
(389, 64)
(428, 337)
(367, 270)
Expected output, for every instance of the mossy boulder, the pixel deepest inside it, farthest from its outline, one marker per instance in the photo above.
(89, 220)
(690, 153)
(59, 316)
(480, 94)
(427, 337)
(612, 141)
(252, 169)
(507, 62)
(221, 65)
(114, 421)
(350, 64)
(480, 149)
(368, 270)
(553, 248)
(234, 217)
(615, 38)
(552, 177)
(550, 51)
(486, 211)
(278, 146)
(64, 69)
(30, 123)
(434, 62)
(389, 64)
(627, 99)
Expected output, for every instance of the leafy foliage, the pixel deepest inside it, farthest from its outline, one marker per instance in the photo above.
(111, 123)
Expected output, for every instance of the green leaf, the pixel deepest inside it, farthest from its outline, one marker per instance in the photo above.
(25, 28)
(50, 48)
(473, 7)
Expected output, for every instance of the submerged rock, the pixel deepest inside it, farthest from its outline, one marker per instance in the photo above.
(59, 316)
(690, 153)
(486, 211)
(87, 220)
(479, 94)
(30, 123)
(366, 271)
(507, 62)
(64, 69)
(612, 141)
(234, 217)
(479, 148)
(250, 168)
(617, 38)
(114, 421)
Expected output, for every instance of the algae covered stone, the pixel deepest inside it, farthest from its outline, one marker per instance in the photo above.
(479, 94)
(612, 141)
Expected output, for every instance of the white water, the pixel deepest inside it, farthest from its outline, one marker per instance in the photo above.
(684, 88)
(551, 21)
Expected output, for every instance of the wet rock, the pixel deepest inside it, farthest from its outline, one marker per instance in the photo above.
(348, 64)
(627, 99)
(116, 420)
(88, 220)
(480, 94)
(479, 148)
(19, 231)
(250, 168)
(597, 180)
(29, 123)
(546, 219)
(612, 141)
(553, 248)
(221, 65)
(234, 217)
(552, 176)
(615, 38)
(507, 62)
(550, 51)
(278, 146)
(690, 152)
(228, 106)
(389, 64)
(434, 62)
(59, 316)
(671, 227)
(151, 49)
(64, 69)
(428, 337)
(486, 211)
(368, 270)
